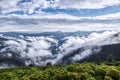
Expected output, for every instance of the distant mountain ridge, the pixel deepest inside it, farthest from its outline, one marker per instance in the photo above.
(23, 49)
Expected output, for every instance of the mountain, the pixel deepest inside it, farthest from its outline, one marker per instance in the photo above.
(24, 49)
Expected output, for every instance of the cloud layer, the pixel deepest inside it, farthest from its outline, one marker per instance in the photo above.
(86, 46)
(86, 4)
(29, 6)
(31, 50)
(26, 50)
(59, 22)
(58, 15)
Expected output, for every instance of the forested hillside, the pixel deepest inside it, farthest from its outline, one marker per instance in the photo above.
(76, 71)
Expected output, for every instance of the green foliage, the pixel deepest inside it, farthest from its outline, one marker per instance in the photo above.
(76, 71)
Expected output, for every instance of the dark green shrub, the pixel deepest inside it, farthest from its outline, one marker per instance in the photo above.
(76, 71)
(115, 74)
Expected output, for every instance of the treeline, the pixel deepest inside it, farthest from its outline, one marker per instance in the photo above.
(76, 71)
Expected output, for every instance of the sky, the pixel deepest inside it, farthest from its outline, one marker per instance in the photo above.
(59, 15)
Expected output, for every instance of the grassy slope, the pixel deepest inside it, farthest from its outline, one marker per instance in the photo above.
(76, 71)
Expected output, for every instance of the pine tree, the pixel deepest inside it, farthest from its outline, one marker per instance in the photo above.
(110, 58)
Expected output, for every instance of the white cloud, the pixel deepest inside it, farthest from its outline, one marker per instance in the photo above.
(87, 45)
(8, 6)
(58, 22)
(108, 16)
(82, 55)
(86, 4)
(33, 48)
(29, 7)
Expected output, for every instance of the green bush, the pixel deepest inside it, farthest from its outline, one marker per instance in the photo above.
(76, 71)
(108, 78)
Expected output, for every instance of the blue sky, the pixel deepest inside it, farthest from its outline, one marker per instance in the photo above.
(77, 13)
(85, 12)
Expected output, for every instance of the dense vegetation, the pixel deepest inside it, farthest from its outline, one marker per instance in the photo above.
(76, 71)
